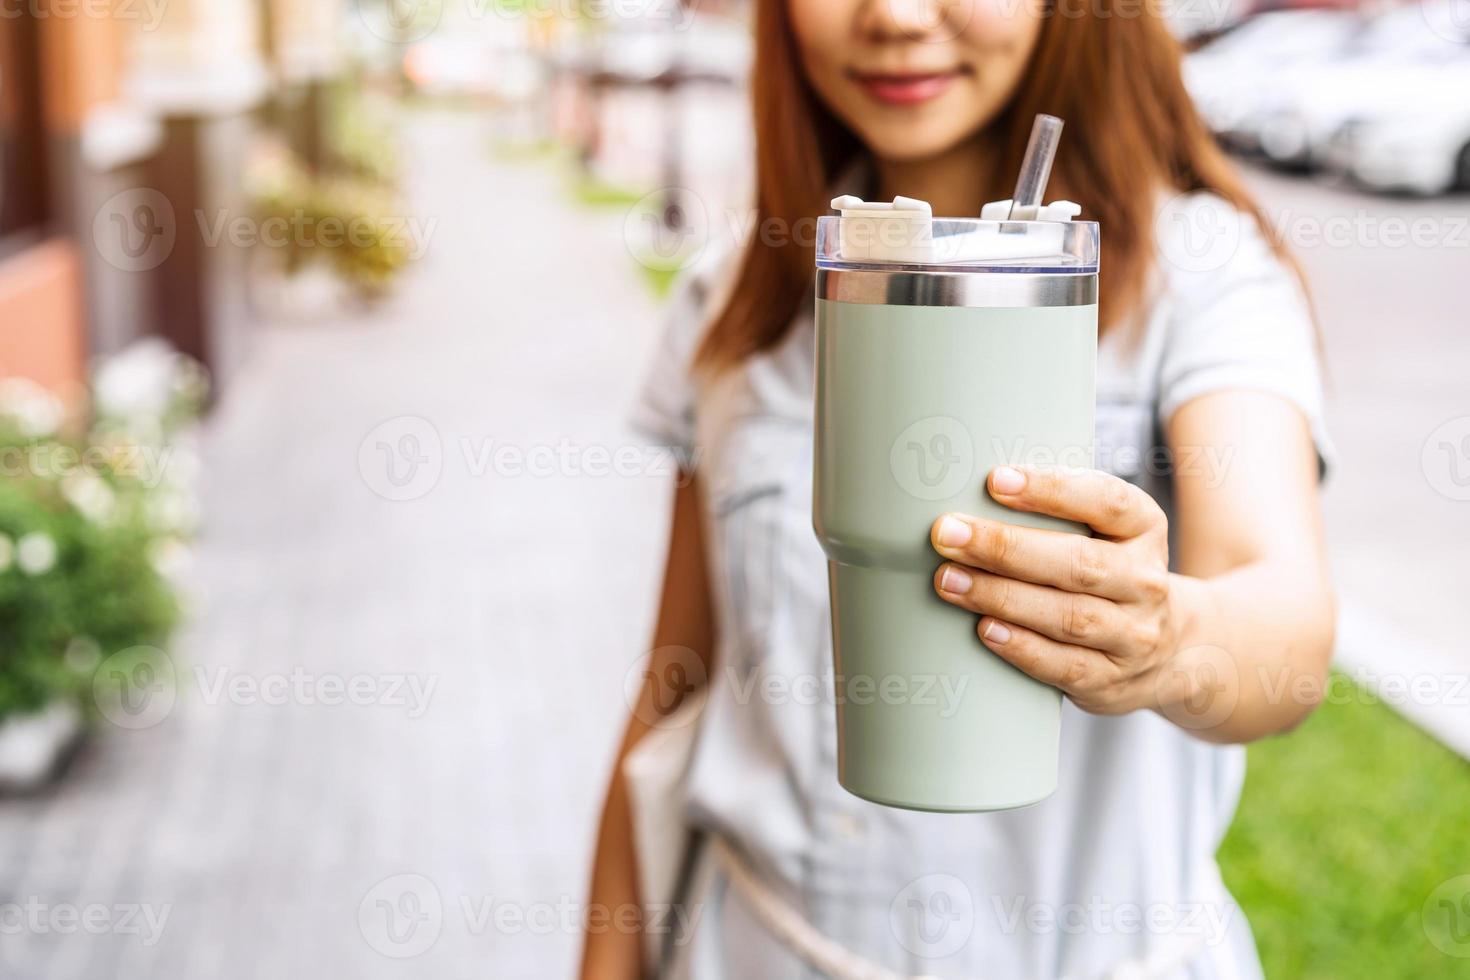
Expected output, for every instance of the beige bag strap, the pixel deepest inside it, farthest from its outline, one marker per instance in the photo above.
(833, 960)
(787, 925)
(655, 771)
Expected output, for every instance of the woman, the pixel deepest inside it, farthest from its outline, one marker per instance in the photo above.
(1199, 616)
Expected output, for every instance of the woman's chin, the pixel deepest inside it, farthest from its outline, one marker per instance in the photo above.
(911, 144)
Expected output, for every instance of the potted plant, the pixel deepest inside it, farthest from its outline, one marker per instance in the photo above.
(341, 233)
(93, 518)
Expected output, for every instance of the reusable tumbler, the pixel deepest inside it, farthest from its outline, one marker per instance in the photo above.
(945, 347)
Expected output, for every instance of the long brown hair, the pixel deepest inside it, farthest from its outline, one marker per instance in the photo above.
(1109, 68)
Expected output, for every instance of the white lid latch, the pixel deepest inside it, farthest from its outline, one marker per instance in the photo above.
(899, 232)
(1055, 211)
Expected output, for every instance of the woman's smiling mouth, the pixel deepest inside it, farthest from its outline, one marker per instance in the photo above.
(905, 88)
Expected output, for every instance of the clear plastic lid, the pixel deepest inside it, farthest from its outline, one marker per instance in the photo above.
(909, 239)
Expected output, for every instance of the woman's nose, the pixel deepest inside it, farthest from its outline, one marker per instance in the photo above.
(913, 20)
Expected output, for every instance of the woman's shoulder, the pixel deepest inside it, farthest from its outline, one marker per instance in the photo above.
(697, 295)
(664, 409)
(1233, 312)
(704, 280)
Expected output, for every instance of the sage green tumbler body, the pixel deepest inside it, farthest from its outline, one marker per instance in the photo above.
(928, 376)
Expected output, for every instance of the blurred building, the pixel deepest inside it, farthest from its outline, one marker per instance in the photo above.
(124, 125)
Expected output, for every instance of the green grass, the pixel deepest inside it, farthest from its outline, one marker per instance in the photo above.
(543, 151)
(1345, 828)
(594, 192)
(659, 279)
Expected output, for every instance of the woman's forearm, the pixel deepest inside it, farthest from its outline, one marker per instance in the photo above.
(1254, 648)
(1255, 605)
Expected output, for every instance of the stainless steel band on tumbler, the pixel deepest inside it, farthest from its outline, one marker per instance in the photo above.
(906, 288)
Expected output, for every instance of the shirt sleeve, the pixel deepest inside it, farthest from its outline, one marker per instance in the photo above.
(1239, 315)
(664, 409)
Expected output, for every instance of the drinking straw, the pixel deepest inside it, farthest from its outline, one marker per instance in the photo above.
(1041, 149)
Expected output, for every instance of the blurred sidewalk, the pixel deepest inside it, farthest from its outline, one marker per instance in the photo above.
(437, 823)
(1388, 280)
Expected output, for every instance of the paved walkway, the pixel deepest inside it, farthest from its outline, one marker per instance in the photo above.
(450, 800)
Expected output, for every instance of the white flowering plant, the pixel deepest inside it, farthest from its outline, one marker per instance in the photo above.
(95, 516)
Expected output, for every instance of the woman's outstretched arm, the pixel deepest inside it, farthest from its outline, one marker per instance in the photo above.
(613, 951)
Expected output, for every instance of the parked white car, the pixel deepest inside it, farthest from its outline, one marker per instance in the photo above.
(1235, 76)
(1382, 98)
(1393, 62)
(1421, 150)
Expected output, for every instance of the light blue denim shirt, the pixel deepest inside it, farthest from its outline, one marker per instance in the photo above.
(1119, 864)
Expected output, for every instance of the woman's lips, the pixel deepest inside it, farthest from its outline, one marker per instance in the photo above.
(910, 89)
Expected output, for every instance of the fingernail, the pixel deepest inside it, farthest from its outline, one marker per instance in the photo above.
(954, 581)
(953, 532)
(1007, 480)
(996, 632)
